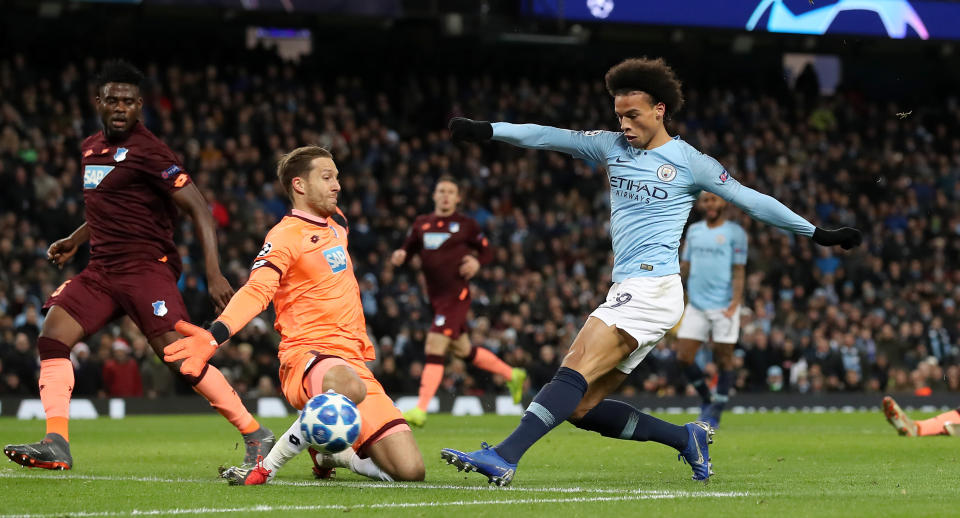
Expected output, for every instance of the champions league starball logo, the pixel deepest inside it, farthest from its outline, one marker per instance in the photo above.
(896, 16)
(600, 8)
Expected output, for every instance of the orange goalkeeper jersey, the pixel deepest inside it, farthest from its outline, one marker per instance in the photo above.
(305, 268)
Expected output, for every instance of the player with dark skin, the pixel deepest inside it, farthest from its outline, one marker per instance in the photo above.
(132, 186)
(120, 106)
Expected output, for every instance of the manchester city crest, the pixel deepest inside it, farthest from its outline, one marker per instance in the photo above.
(666, 172)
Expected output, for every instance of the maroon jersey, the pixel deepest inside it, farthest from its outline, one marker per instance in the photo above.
(442, 242)
(127, 187)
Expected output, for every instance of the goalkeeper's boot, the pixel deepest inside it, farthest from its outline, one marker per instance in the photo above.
(697, 453)
(898, 419)
(515, 384)
(240, 476)
(258, 443)
(952, 429)
(53, 452)
(485, 461)
(324, 465)
(415, 417)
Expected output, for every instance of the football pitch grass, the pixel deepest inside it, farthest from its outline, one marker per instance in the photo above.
(829, 464)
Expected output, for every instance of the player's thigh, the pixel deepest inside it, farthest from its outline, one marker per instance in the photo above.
(151, 298)
(399, 456)
(597, 349)
(79, 307)
(597, 391)
(724, 329)
(436, 344)
(341, 379)
(687, 350)
(461, 347)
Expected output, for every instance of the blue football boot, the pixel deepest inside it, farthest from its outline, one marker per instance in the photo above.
(485, 461)
(697, 454)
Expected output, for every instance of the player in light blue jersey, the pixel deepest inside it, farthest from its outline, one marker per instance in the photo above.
(654, 180)
(713, 260)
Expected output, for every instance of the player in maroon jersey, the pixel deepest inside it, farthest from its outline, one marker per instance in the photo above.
(452, 247)
(132, 186)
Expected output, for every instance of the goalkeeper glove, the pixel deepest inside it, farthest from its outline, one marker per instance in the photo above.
(197, 346)
(467, 130)
(846, 237)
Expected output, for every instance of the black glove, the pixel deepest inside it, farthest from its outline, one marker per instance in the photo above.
(846, 237)
(467, 130)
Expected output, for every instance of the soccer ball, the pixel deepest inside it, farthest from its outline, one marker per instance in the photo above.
(330, 422)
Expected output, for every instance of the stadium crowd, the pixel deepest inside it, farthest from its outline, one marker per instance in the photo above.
(881, 317)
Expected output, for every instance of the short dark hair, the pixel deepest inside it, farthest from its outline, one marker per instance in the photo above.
(119, 71)
(651, 76)
(297, 163)
(448, 178)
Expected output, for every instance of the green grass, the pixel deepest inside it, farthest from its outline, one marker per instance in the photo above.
(766, 464)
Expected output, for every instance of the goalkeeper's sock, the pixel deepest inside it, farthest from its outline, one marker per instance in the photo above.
(214, 387)
(349, 459)
(551, 406)
(696, 378)
(620, 420)
(934, 425)
(287, 447)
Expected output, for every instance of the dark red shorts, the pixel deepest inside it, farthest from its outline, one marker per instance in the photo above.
(145, 290)
(450, 316)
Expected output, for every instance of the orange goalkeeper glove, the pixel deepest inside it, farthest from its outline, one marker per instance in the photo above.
(195, 349)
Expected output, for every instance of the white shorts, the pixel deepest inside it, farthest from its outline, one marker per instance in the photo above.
(644, 307)
(699, 325)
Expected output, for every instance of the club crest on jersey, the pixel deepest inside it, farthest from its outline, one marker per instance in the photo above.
(666, 172)
(159, 308)
(433, 240)
(454, 226)
(94, 174)
(721, 239)
(724, 176)
(439, 320)
(336, 258)
(120, 155)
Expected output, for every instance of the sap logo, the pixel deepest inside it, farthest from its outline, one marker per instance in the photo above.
(336, 258)
(159, 308)
(120, 155)
(433, 240)
(94, 174)
(896, 15)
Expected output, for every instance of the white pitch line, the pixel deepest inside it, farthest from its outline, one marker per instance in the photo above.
(373, 485)
(333, 507)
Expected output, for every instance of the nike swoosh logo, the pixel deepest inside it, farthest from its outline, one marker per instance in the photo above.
(622, 161)
(696, 444)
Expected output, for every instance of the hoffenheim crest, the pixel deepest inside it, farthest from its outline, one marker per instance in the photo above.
(120, 155)
(666, 172)
(454, 226)
(159, 308)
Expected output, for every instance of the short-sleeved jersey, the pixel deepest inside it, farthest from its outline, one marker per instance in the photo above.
(127, 187)
(318, 298)
(442, 241)
(712, 252)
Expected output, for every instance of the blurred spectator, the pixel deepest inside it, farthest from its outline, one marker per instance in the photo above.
(121, 374)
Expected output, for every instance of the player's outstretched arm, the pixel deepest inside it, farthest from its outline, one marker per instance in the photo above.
(62, 250)
(590, 145)
(190, 200)
(709, 175)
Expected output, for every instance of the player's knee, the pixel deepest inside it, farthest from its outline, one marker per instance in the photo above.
(410, 472)
(343, 380)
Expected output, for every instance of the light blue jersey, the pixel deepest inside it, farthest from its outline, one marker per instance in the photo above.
(651, 192)
(712, 252)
